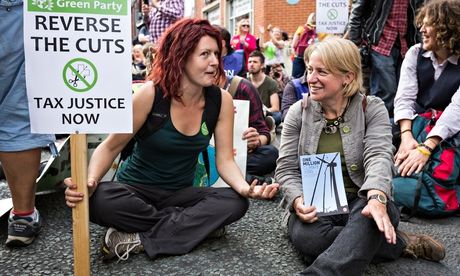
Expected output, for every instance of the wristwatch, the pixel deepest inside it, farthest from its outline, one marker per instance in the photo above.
(381, 198)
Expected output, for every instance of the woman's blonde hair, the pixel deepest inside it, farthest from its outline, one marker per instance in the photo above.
(341, 56)
(238, 29)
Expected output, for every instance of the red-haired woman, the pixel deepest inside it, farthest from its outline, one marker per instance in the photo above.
(154, 207)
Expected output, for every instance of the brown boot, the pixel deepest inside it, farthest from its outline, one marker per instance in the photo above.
(422, 246)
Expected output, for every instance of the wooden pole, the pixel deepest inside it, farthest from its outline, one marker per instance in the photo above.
(80, 214)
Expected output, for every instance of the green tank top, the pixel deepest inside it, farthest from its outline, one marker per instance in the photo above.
(333, 143)
(166, 159)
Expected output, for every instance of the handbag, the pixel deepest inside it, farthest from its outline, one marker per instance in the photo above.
(435, 191)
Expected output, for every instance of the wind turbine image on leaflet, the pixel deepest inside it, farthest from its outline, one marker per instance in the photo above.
(331, 166)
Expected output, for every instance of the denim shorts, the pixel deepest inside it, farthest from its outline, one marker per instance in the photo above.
(14, 111)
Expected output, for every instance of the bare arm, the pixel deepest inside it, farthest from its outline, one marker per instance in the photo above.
(274, 102)
(225, 161)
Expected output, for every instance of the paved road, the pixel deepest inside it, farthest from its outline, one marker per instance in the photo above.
(255, 245)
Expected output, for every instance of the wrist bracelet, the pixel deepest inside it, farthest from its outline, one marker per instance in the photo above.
(406, 130)
(424, 151)
(425, 146)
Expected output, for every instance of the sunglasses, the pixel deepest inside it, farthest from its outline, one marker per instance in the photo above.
(245, 25)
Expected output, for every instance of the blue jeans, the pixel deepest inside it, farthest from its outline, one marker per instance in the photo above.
(298, 67)
(15, 132)
(385, 76)
(344, 244)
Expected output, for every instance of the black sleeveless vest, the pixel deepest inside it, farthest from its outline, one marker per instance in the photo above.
(435, 94)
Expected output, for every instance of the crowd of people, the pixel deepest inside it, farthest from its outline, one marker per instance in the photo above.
(320, 106)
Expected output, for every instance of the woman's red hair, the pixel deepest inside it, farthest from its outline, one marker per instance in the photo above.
(176, 44)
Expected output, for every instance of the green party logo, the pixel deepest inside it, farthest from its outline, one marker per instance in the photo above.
(43, 4)
(204, 129)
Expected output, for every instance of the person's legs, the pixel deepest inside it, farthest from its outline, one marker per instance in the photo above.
(19, 148)
(21, 170)
(262, 161)
(358, 243)
(277, 116)
(298, 67)
(311, 239)
(203, 211)
(168, 222)
(384, 77)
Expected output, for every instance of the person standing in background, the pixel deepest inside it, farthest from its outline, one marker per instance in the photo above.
(303, 37)
(160, 15)
(388, 26)
(244, 40)
(20, 150)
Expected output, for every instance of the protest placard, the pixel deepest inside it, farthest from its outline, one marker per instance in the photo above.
(331, 16)
(78, 62)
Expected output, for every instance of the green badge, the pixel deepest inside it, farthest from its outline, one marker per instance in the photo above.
(204, 129)
(346, 129)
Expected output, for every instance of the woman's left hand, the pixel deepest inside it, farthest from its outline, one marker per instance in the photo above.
(264, 191)
(414, 162)
(378, 211)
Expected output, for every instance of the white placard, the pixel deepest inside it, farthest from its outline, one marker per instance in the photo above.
(331, 16)
(240, 146)
(78, 65)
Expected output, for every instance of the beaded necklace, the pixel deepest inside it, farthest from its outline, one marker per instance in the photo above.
(332, 125)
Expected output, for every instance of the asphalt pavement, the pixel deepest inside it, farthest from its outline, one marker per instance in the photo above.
(255, 245)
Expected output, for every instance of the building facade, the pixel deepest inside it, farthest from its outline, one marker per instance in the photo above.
(286, 14)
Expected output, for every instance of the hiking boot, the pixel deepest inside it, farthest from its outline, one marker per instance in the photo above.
(22, 230)
(120, 244)
(422, 246)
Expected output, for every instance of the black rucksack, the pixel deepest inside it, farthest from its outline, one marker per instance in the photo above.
(160, 113)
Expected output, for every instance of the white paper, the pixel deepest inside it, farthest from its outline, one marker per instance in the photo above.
(78, 63)
(240, 146)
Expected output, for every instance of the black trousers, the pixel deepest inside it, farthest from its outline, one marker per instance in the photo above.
(344, 244)
(262, 161)
(168, 222)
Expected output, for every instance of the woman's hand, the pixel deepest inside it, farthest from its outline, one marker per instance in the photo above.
(408, 143)
(72, 197)
(264, 191)
(305, 214)
(378, 211)
(414, 162)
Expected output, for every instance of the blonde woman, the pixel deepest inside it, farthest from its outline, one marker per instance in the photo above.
(337, 117)
(244, 40)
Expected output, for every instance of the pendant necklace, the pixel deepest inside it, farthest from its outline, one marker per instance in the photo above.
(332, 125)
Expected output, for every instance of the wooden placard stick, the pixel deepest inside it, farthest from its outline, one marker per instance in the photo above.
(80, 214)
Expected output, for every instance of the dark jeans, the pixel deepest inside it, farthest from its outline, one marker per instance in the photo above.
(168, 222)
(385, 76)
(262, 161)
(298, 67)
(344, 244)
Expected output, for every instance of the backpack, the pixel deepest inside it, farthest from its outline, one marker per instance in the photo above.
(300, 88)
(234, 85)
(159, 115)
(435, 191)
